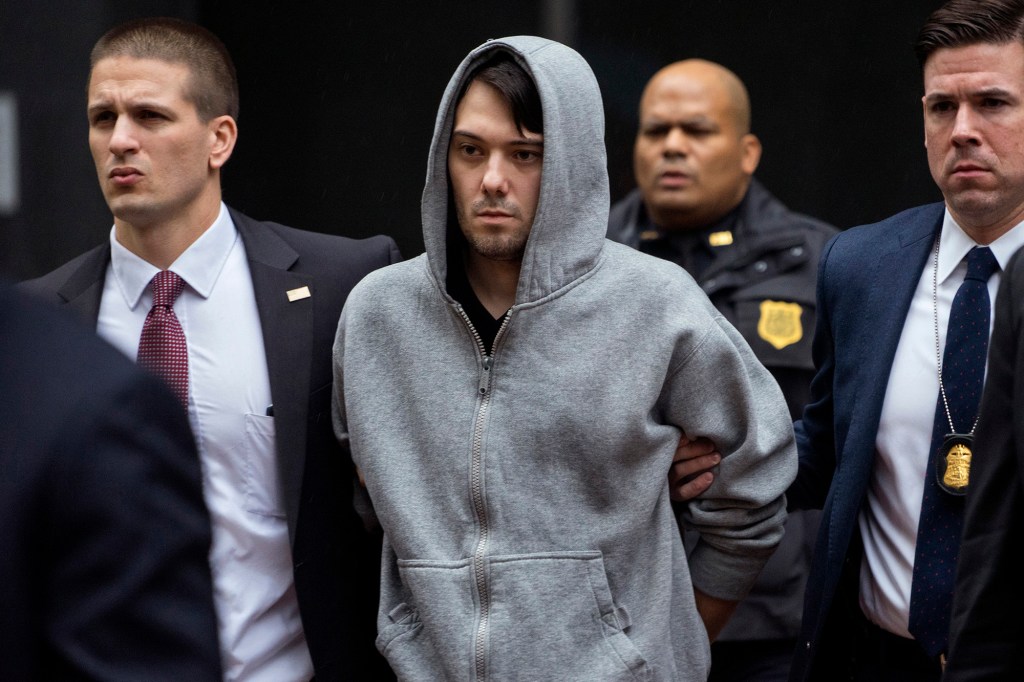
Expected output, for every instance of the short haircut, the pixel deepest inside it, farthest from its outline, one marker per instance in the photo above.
(505, 75)
(959, 23)
(213, 83)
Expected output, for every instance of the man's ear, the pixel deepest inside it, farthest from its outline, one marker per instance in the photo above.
(751, 153)
(223, 135)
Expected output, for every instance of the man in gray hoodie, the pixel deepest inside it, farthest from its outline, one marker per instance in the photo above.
(513, 410)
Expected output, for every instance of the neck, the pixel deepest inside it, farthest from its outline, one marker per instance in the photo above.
(160, 242)
(700, 218)
(494, 282)
(678, 222)
(985, 230)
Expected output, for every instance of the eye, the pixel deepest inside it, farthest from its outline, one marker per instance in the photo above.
(150, 115)
(993, 103)
(102, 117)
(654, 131)
(942, 107)
(698, 131)
(467, 149)
(526, 155)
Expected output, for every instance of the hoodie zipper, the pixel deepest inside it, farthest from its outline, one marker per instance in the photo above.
(477, 498)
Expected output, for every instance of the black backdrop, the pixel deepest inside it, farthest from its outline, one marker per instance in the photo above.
(339, 99)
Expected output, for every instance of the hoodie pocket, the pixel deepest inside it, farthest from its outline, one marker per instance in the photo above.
(430, 635)
(550, 616)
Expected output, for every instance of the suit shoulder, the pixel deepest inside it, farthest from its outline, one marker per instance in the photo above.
(46, 286)
(919, 216)
(914, 223)
(319, 240)
(319, 251)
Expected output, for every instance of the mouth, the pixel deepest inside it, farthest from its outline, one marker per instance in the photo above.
(966, 166)
(674, 179)
(493, 217)
(125, 175)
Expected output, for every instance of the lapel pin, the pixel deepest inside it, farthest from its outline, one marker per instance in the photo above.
(298, 294)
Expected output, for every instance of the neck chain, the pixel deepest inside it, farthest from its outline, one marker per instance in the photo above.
(938, 348)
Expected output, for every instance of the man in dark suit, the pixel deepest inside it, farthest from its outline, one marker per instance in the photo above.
(294, 572)
(885, 294)
(875, 415)
(104, 572)
(987, 634)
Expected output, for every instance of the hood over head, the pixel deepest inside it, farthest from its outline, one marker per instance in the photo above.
(572, 211)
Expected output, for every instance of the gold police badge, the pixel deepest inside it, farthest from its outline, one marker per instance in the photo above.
(953, 464)
(779, 324)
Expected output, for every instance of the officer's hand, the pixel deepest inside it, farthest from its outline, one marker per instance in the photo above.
(690, 474)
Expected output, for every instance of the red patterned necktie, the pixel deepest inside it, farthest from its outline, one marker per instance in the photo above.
(162, 348)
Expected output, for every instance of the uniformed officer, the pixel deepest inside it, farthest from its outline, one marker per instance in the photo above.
(698, 205)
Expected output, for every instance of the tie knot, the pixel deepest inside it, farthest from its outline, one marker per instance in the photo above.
(981, 263)
(167, 286)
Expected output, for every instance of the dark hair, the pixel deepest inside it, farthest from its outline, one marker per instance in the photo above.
(505, 75)
(213, 84)
(968, 22)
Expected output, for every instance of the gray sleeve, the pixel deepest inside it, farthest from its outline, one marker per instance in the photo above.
(722, 392)
(361, 499)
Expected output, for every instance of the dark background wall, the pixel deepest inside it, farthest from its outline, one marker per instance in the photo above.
(339, 99)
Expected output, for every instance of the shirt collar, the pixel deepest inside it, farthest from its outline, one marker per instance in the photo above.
(956, 244)
(199, 265)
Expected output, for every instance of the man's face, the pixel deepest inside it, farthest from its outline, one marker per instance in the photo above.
(154, 157)
(691, 161)
(495, 174)
(974, 133)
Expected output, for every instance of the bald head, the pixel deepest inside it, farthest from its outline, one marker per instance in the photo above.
(700, 77)
(694, 154)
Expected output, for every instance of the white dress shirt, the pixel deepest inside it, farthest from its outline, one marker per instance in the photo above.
(888, 523)
(261, 636)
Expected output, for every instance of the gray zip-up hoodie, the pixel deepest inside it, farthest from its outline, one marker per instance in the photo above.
(523, 494)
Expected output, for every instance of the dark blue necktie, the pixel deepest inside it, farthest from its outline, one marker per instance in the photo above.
(938, 533)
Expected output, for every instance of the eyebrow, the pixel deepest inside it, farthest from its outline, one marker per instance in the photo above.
(699, 119)
(984, 92)
(519, 140)
(108, 103)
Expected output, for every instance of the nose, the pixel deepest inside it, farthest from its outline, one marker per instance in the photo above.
(676, 143)
(965, 129)
(122, 137)
(495, 179)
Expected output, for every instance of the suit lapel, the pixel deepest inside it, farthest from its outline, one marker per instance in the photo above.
(288, 341)
(82, 291)
(894, 275)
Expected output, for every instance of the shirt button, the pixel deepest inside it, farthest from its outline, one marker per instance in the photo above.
(760, 266)
(796, 251)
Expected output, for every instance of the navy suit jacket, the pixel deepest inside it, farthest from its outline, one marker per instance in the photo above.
(336, 563)
(104, 537)
(866, 280)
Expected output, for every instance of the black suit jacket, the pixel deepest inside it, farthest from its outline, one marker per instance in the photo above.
(336, 562)
(987, 631)
(104, 570)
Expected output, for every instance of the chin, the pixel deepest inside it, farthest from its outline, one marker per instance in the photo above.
(133, 212)
(498, 248)
(674, 199)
